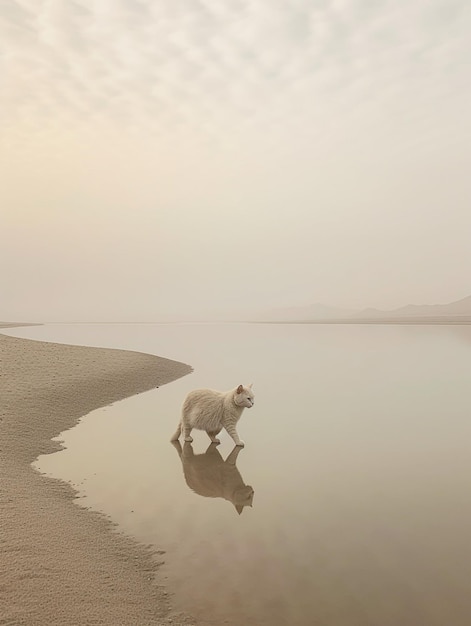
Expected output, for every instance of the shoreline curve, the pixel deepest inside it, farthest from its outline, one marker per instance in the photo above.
(62, 564)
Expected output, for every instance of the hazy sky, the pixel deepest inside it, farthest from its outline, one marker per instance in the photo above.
(163, 157)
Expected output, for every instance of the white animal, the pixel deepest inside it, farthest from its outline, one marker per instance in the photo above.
(209, 410)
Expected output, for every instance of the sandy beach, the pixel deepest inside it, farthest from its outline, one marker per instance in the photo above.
(59, 563)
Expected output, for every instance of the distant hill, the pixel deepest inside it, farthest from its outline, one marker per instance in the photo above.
(458, 312)
(460, 308)
(312, 312)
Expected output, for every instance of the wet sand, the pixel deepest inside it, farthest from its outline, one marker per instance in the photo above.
(61, 564)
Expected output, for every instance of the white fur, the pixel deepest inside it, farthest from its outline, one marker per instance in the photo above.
(209, 410)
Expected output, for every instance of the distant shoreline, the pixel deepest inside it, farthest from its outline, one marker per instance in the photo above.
(389, 321)
(7, 325)
(425, 321)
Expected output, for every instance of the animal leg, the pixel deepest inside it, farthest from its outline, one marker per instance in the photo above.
(232, 458)
(186, 432)
(176, 444)
(212, 451)
(212, 435)
(231, 429)
(187, 450)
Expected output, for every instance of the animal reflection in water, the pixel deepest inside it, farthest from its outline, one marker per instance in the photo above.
(210, 476)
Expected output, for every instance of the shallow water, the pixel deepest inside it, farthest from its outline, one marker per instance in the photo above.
(357, 450)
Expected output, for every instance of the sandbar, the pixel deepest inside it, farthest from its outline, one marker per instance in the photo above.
(61, 564)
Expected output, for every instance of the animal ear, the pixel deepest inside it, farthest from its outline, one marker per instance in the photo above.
(239, 508)
(240, 389)
(251, 385)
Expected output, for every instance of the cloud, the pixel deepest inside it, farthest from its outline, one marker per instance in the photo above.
(276, 65)
(306, 125)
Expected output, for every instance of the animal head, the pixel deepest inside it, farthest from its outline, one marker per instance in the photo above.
(243, 497)
(244, 396)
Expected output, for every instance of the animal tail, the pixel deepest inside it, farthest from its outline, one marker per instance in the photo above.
(177, 433)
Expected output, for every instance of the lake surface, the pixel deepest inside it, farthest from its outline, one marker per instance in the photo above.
(357, 449)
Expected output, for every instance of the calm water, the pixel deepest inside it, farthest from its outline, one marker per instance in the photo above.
(358, 452)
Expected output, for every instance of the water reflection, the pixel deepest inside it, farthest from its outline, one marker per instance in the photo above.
(210, 476)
